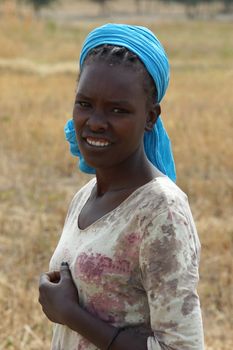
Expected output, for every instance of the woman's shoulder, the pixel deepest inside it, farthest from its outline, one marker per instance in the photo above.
(85, 189)
(162, 194)
(81, 196)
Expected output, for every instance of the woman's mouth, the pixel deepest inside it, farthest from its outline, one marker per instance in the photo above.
(97, 142)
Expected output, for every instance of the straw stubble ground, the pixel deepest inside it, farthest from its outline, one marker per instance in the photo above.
(38, 176)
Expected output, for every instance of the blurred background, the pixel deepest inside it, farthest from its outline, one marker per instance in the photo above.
(39, 48)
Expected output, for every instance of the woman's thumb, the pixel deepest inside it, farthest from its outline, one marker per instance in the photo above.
(64, 270)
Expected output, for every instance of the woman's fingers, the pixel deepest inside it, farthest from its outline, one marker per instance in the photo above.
(54, 276)
(49, 277)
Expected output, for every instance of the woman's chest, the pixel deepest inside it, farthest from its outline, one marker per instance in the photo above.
(106, 254)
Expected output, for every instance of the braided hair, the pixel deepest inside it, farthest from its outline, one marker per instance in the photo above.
(118, 55)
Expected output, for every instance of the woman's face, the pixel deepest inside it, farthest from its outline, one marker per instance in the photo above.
(110, 114)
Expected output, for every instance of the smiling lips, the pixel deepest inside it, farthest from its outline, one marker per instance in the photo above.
(97, 142)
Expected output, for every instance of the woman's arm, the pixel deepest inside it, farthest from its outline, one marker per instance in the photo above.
(169, 259)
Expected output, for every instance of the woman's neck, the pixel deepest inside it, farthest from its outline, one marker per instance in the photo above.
(128, 175)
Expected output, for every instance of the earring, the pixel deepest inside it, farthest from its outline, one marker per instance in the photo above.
(149, 126)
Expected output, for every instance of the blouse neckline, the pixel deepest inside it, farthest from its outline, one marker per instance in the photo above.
(122, 204)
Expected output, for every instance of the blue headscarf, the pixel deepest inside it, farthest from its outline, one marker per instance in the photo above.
(148, 48)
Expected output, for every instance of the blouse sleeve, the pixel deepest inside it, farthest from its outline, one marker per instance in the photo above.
(169, 257)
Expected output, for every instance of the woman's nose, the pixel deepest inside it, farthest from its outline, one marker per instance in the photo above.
(97, 122)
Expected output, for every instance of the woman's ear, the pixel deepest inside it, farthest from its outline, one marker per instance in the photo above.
(153, 115)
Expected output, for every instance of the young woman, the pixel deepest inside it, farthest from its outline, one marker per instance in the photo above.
(125, 271)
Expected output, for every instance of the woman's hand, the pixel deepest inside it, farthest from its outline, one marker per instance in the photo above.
(57, 294)
(60, 303)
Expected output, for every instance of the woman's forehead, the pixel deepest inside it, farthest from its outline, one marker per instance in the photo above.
(115, 79)
(113, 75)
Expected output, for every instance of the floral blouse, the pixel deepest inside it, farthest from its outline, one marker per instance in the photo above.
(136, 266)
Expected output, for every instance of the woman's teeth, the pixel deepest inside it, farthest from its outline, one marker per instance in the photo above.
(99, 143)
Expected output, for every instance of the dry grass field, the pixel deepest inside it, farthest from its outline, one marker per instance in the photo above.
(38, 176)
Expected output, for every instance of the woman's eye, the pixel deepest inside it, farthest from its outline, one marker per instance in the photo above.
(119, 110)
(83, 104)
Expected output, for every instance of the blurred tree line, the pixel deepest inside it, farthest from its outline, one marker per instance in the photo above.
(227, 4)
(190, 5)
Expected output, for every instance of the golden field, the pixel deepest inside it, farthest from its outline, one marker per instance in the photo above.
(38, 176)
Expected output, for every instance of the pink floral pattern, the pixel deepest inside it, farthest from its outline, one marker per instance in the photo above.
(136, 267)
(90, 267)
